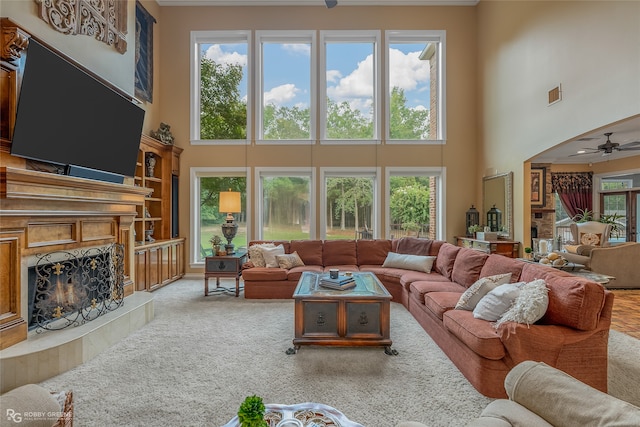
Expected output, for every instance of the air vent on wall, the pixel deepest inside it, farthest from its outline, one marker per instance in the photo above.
(555, 95)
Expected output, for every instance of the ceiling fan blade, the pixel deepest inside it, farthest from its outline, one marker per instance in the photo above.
(629, 149)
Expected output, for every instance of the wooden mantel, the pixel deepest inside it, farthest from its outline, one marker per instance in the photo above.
(23, 192)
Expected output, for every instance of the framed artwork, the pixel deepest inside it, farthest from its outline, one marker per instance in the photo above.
(144, 54)
(538, 186)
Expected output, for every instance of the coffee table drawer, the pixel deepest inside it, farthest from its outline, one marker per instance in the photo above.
(363, 319)
(320, 319)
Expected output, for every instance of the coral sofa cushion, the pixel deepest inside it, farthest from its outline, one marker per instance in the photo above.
(498, 264)
(422, 287)
(413, 246)
(310, 251)
(372, 252)
(339, 252)
(446, 257)
(476, 334)
(440, 302)
(264, 274)
(467, 266)
(574, 302)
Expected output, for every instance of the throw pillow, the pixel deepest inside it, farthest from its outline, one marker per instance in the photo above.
(493, 305)
(289, 261)
(409, 262)
(255, 253)
(591, 239)
(470, 298)
(269, 255)
(529, 306)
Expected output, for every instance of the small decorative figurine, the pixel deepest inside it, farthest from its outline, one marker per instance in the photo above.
(163, 134)
(151, 163)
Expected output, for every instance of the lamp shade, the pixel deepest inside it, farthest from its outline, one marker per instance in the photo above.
(230, 202)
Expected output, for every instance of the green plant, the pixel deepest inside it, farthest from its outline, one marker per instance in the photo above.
(474, 228)
(528, 250)
(612, 219)
(251, 412)
(583, 215)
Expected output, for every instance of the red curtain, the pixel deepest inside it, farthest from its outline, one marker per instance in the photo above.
(575, 190)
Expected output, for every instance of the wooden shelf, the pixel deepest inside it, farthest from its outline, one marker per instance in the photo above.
(159, 261)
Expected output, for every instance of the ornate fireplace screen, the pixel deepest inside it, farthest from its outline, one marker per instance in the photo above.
(74, 287)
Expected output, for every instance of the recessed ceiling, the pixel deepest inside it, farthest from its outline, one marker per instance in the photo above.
(317, 2)
(624, 132)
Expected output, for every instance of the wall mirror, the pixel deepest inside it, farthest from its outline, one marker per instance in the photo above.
(497, 190)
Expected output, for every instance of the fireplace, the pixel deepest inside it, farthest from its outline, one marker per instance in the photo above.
(70, 288)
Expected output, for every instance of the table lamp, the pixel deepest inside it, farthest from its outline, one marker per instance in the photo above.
(229, 203)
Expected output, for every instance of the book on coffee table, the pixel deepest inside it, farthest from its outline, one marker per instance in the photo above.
(342, 282)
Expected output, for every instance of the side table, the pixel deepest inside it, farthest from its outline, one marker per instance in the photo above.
(223, 266)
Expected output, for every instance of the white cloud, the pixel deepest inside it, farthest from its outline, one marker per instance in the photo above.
(281, 94)
(333, 75)
(298, 48)
(357, 84)
(216, 54)
(407, 70)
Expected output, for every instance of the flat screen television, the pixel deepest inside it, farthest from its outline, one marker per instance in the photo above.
(67, 117)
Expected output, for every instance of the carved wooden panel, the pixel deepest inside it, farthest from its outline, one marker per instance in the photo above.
(13, 327)
(51, 233)
(105, 20)
(98, 230)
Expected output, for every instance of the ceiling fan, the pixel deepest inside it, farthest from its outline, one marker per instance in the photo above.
(609, 147)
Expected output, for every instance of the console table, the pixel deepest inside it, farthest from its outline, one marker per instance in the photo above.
(508, 248)
(223, 266)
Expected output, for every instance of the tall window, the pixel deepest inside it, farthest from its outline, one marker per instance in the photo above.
(414, 202)
(219, 86)
(415, 60)
(349, 199)
(285, 211)
(285, 84)
(207, 183)
(350, 87)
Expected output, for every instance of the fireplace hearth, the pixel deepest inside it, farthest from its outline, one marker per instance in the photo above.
(71, 288)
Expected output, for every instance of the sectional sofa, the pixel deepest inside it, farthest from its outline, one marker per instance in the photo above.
(571, 336)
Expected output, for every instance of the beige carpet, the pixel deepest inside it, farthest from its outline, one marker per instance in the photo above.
(201, 356)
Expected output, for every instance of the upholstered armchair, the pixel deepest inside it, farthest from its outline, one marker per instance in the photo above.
(586, 237)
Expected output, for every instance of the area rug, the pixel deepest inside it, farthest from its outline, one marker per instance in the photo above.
(201, 356)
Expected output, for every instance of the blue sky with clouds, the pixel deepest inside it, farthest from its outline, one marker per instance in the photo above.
(349, 72)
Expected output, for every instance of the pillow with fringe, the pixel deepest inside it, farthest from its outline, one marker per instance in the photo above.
(470, 298)
(529, 306)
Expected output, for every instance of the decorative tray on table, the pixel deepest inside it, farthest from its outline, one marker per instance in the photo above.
(302, 415)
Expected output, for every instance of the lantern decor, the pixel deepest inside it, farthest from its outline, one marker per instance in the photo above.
(473, 218)
(494, 219)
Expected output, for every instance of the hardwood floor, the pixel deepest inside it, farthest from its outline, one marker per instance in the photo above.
(626, 312)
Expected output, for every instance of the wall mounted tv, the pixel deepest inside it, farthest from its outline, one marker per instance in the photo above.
(67, 117)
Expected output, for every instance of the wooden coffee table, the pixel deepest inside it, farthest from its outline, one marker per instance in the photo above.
(355, 317)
